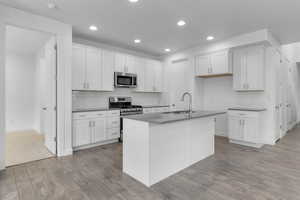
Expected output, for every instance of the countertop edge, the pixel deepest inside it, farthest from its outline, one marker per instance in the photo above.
(176, 120)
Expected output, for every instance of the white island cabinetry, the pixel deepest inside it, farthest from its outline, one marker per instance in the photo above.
(153, 152)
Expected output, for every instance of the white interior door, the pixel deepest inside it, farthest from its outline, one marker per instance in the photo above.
(50, 96)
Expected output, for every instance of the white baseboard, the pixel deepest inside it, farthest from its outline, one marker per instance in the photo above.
(256, 145)
(221, 133)
(95, 145)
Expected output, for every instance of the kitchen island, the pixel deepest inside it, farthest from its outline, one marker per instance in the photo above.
(158, 145)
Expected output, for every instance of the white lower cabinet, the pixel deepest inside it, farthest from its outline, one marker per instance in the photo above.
(98, 130)
(81, 132)
(90, 128)
(245, 128)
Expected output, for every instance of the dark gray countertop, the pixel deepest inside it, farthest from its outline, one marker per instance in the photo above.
(91, 109)
(168, 117)
(248, 109)
(155, 106)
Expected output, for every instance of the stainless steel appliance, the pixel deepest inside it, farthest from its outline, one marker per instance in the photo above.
(125, 80)
(126, 108)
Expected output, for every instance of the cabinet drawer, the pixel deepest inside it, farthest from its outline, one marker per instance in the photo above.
(113, 113)
(87, 115)
(237, 113)
(113, 122)
(113, 133)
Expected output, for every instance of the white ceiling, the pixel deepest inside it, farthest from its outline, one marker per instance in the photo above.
(154, 21)
(24, 41)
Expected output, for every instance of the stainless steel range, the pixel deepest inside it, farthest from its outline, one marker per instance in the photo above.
(126, 108)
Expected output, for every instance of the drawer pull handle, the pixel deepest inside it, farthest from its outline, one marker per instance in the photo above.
(82, 115)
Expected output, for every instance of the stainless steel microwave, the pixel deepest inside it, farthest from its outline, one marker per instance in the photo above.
(125, 80)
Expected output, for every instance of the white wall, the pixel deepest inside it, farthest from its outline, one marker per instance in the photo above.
(63, 32)
(217, 93)
(20, 92)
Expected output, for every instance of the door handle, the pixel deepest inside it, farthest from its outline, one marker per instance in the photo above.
(45, 108)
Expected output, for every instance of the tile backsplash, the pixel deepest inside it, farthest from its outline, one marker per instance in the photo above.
(100, 99)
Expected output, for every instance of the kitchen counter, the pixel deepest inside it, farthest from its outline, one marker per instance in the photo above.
(248, 109)
(168, 117)
(91, 109)
(155, 106)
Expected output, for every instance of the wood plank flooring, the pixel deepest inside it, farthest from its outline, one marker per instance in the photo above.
(234, 172)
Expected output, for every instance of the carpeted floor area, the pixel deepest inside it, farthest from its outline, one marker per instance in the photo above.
(25, 146)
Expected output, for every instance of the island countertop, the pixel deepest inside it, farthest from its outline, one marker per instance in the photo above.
(168, 117)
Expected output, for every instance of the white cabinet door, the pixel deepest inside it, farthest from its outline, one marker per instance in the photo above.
(113, 133)
(108, 59)
(140, 70)
(158, 87)
(149, 76)
(93, 69)
(239, 70)
(250, 129)
(99, 130)
(78, 68)
(255, 68)
(81, 132)
(220, 63)
(202, 65)
(120, 62)
(249, 68)
(131, 63)
(235, 132)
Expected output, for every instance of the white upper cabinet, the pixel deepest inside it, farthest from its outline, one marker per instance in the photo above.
(120, 62)
(202, 65)
(78, 68)
(214, 64)
(140, 71)
(149, 75)
(153, 76)
(131, 64)
(108, 61)
(92, 69)
(125, 63)
(158, 71)
(249, 68)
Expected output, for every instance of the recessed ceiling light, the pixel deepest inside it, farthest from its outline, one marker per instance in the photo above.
(93, 28)
(181, 23)
(167, 50)
(137, 41)
(210, 38)
(133, 1)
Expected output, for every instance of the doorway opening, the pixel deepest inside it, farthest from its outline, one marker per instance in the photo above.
(30, 95)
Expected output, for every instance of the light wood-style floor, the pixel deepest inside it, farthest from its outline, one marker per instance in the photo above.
(25, 146)
(233, 173)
